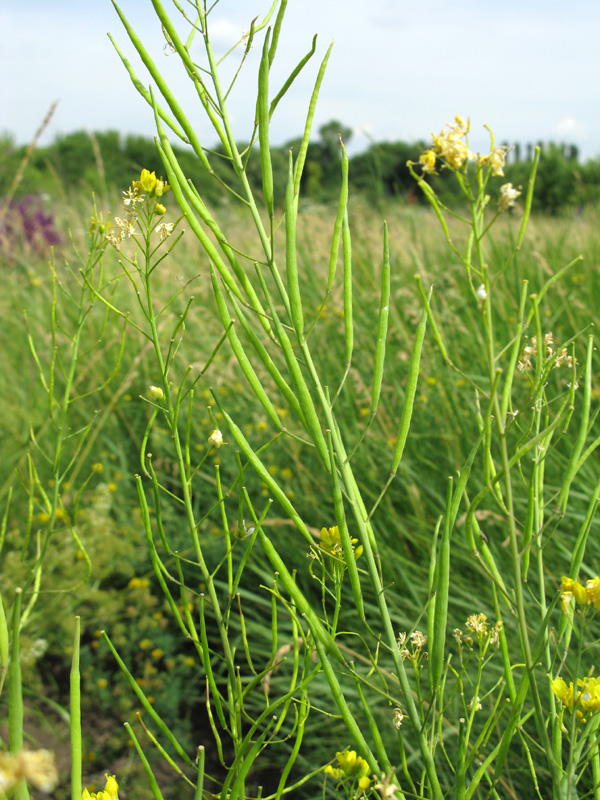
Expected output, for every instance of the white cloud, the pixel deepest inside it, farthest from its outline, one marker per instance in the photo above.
(570, 127)
(224, 33)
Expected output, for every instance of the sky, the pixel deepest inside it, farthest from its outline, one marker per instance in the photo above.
(399, 69)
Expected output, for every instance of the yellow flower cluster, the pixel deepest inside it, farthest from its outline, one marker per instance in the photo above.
(111, 791)
(350, 765)
(147, 186)
(584, 595)
(451, 148)
(150, 184)
(331, 542)
(587, 698)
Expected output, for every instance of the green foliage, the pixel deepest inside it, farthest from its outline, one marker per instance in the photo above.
(99, 161)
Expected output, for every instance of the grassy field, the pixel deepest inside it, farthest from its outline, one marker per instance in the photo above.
(96, 562)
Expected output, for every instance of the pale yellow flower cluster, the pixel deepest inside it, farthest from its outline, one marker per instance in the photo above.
(418, 641)
(496, 159)
(449, 145)
(36, 767)
(386, 788)
(530, 350)
(508, 196)
(350, 765)
(477, 624)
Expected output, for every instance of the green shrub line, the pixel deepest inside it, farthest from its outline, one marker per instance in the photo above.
(307, 499)
(98, 160)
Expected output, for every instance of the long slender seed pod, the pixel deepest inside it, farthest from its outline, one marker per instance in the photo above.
(148, 707)
(75, 722)
(291, 258)
(313, 425)
(277, 31)
(194, 74)
(299, 169)
(442, 585)
(164, 90)
(340, 517)
(268, 362)
(4, 644)
(15, 688)
(573, 465)
(384, 311)
(200, 758)
(293, 75)
(410, 393)
(348, 303)
(156, 793)
(240, 353)
(266, 167)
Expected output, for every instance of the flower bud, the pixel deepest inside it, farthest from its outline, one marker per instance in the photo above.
(216, 439)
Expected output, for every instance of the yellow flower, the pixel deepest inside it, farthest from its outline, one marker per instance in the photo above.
(138, 583)
(562, 691)
(110, 791)
(580, 592)
(351, 765)
(148, 181)
(336, 774)
(565, 602)
(587, 698)
(150, 184)
(160, 188)
(112, 787)
(592, 589)
(332, 543)
(330, 540)
(427, 161)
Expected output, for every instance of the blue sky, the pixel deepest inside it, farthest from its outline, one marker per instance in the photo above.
(399, 70)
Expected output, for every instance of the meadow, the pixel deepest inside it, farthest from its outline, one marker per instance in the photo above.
(299, 499)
